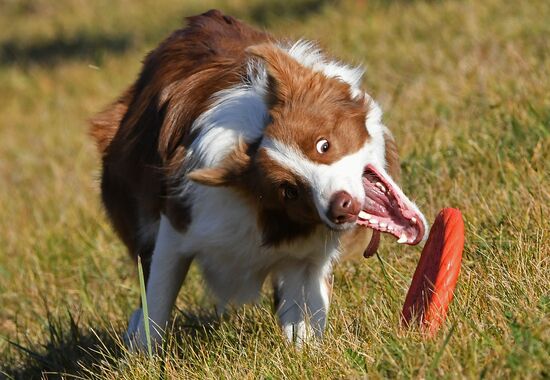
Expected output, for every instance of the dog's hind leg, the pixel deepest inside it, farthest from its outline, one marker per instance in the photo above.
(169, 267)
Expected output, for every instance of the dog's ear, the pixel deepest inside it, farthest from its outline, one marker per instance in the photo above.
(231, 170)
(282, 71)
(104, 125)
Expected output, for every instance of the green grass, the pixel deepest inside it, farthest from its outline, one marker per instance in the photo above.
(465, 86)
(145, 307)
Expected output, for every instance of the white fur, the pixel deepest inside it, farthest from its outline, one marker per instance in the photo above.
(168, 270)
(224, 237)
(344, 174)
(309, 55)
(238, 112)
(235, 264)
(241, 112)
(303, 292)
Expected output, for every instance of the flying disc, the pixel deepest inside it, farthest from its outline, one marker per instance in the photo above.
(436, 274)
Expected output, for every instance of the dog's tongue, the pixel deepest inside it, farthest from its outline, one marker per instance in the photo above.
(387, 209)
(373, 245)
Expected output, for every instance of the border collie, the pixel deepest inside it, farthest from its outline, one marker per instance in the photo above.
(254, 157)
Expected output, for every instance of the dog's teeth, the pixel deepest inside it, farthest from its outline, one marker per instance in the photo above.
(383, 225)
(390, 228)
(413, 219)
(380, 186)
(402, 239)
(411, 241)
(363, 215)
(373, 221)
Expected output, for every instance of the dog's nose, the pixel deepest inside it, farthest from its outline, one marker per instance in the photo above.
(343, 208)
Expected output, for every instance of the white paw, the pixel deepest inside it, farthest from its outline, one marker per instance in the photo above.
(135, 338)
(133, 323)
(298, 333)
(131, 339)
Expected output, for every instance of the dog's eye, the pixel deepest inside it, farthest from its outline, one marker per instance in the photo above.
(289, 191)
(322, 146)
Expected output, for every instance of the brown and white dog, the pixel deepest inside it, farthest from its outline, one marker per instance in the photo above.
(255, 158)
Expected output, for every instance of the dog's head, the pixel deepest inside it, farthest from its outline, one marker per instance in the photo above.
(324, 156)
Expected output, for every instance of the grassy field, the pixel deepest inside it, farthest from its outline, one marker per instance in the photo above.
(465, 86)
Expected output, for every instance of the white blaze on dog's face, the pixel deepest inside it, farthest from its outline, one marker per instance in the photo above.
(322, 159)
(325, 152)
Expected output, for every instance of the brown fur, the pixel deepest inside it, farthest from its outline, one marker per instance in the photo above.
(143, 136)
(105, 124)
(260, 180)
(306, 106)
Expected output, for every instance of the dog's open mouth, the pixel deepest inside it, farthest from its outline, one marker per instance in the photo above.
(387, 209)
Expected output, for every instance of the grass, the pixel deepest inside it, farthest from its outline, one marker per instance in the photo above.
(145, 308)
(465, 86)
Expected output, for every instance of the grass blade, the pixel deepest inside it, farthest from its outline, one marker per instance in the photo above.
(437, 357)
(145, 309)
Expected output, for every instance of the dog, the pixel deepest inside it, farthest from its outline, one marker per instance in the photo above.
(254, 157)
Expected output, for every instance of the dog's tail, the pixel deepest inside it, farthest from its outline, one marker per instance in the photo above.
(104, 125)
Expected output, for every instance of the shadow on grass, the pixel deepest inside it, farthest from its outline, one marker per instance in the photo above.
(80, 46)
(269, 12)
(75, 351)
(69, 350)
(86, 45)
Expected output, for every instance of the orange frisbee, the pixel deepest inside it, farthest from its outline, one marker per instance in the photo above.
(436, 274)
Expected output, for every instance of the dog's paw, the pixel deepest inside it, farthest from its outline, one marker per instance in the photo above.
(130, 336)
(299, 333)
(135, 338)
(133, 323)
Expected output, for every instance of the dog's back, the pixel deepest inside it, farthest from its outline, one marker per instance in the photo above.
(144, 135)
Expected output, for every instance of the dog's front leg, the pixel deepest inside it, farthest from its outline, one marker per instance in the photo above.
(302, 301)
(168, 270)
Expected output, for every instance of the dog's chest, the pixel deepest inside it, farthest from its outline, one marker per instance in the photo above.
(226, 241)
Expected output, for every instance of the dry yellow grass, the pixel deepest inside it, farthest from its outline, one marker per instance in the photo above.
(466, 89)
